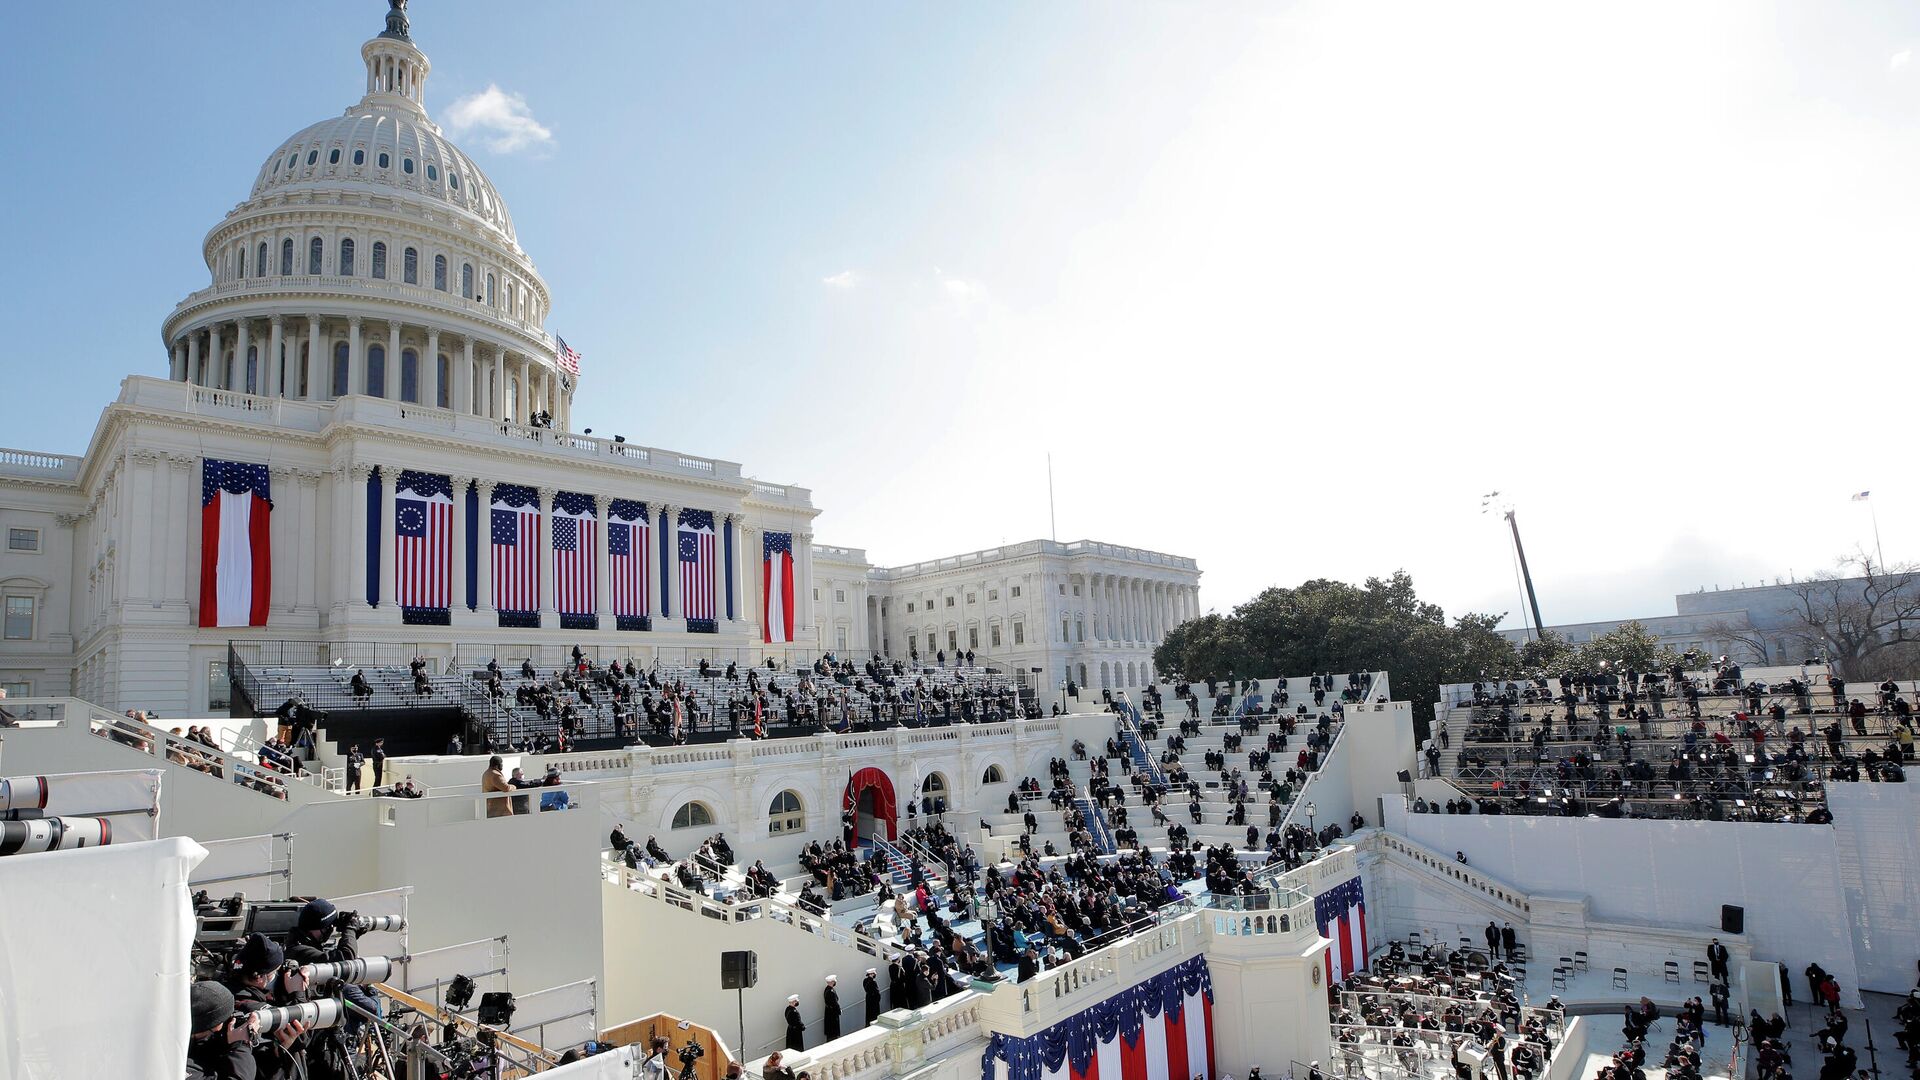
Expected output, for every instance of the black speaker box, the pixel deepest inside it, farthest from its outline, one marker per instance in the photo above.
(739, 970)
(1733, 919)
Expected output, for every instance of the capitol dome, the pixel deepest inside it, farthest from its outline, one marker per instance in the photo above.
(373, 258)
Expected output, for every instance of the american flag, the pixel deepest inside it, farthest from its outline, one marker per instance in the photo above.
(574, 565)
(696, 564)
(627, 536)
(423, 540)
(1340, 913)
(516, 548)
(568, 358)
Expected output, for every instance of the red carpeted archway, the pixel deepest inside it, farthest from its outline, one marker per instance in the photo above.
(883, 804)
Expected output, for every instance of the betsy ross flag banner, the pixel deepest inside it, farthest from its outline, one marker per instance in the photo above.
(1159, 1029)
(574, 566)
(236, 564)
(777, 613)
(1340, 913)
(516, 548)
(423, 540)
(627, 542)
(696, 564)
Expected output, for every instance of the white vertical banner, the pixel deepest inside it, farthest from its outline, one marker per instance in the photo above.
(1108, 1055)
(1196, 1026)
(1155, 1033)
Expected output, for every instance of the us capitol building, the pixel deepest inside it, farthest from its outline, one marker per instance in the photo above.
(372, 341)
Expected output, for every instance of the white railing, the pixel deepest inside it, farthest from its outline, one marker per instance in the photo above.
(738, 911)
(37, 462)
(1450, 868)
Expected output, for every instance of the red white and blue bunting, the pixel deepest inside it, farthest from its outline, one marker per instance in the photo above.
(1159, 1029)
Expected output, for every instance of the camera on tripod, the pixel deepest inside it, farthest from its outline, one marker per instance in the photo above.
(689, 1054)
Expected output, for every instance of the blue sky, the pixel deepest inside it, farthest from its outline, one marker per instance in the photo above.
(1285, 287)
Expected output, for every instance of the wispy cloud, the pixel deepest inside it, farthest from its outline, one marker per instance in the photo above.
(842, 280)
(1900, 59)
(502, 120)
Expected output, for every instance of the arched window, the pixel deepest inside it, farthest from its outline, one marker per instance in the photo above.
(993, 775)
(406, 166)
(693, 815)
(466, 280)
(346, 258)
(260, 261)
(379, 259)
(340, 370)
(313, 156)
(410, 267)
(785, 815)
(384, 159)
(409, 376)
(1104, 674)
(440, 272)
(286, 256)
(1083, 675)
(444, 381)
(333, 156)
(314, 251)
(253, 369)
(935, 784)
(377, 370)
(359, 157)
(489, 290)
(432, 173)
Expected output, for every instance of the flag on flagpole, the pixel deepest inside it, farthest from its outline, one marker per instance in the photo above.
(236, 565)
(569, 359)
(776, 616)
(423, 540)
(1861, 496)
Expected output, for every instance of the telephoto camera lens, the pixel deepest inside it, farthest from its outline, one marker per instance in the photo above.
(365, 971)
(324, 1013)
(376, 924)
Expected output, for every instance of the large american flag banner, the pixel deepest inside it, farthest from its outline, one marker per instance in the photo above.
(423, 540)
(516, 548)
(236, 568)
(574, 545)
(777, 571)
(1340, 913)
(696, 564)
(627, 542)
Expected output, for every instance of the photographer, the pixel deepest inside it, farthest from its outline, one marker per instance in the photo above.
(261, 979)
(655, 1065)
(308, 943)
(217, 1047)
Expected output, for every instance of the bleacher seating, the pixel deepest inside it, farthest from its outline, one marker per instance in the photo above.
(1726, 751)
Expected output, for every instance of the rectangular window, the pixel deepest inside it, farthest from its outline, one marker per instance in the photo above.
(1076, 590)
(992, 595)
(816, 596)
(995, 635)
(973, 597)
(1063, 631)
(1080, 629)
(1016, 592)
(973, 637)
(953, 640)
(1063, 589)
(909, 607)
(19, 618)
(17, 689)
(949, 601)
(23, 539)
(840, 597)
(219, 687)
(840, 635)
(1019, 633)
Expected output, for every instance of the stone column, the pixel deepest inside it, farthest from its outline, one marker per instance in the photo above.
(356, 361)
(276, 335)
(240, 343)
(389, 580)
(319, 365)
(545, 551)
(357, 538)
(217, 359)
(309, 535)
(806, 616)
(483, 578)
(602, 567)
(177, 361)
(463, 386)
(458, 594)
(193, 357)
(390, 377)
(431, 397)
(497, 386)
(654, 584)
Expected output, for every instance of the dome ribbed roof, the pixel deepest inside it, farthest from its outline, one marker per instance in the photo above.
(420, 163)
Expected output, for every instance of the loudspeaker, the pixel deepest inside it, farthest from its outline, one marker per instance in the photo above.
(1404, 776)
(1733, 919)
(496, 1009)
(739, 970)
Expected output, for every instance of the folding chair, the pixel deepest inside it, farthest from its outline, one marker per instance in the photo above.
(1673, 971)
(1700, 972)
(1619, 978)
(1559, 978)
(1580, 960)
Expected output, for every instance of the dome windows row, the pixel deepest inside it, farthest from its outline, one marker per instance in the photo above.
(395, 162)
(473, 282)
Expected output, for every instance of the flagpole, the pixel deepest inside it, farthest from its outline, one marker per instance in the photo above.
(1879, 554)
(1053, 526)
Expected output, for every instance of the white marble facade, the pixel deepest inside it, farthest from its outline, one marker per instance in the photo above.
(370, 310)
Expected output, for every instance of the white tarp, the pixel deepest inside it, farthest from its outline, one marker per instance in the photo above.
(558, 1018)
(96, 793)
(620, 1064)
(243, 864)
(93, 961)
